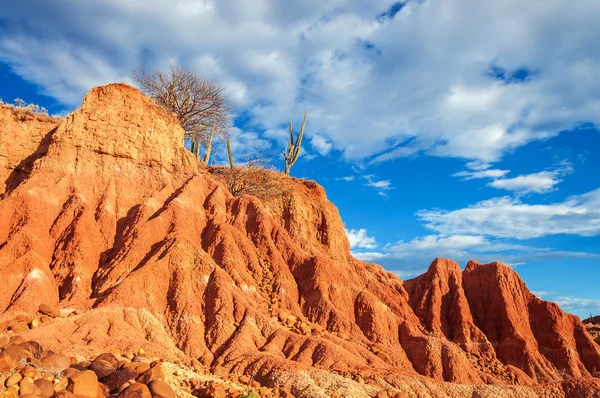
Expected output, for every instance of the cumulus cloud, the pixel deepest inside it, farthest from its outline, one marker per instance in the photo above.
(359, 238)
(540, 182)
(380, 186)
(510, 218)
(466, 79)
(402, 256)
(369, 256)
(320, 144)
(579, 305)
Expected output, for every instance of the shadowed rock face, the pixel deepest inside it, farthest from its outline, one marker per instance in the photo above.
(115, 218)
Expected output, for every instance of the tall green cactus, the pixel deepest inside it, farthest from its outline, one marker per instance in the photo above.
(231, 164)
(293, 148)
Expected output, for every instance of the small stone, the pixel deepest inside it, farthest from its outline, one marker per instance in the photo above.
(71, 372)
(49, 310)
(220, 371)
(283, 314)
(108, 357)
(290, 320)
(136, 390)
(142, 352)
(138, 367)
(141, 358)
(84, 384)
(60, 384)
(197, 365)
(56, 362)
(216, 390)
(26, 386)
(32, 349)
(45, 386)
(102, 368)
(103, 391)
(35, 323)
(13, 379)
(160, 389)
(154, 373)
(10, 357)
(116, 379)
(244, 379)
(12, 392)
(285, 393)
(382, 394)
(18, 327)
(4, 340)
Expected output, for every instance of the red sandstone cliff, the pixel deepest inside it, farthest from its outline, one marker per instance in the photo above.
(112, 216)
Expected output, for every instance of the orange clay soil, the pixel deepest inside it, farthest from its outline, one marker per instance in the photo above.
(106, 213)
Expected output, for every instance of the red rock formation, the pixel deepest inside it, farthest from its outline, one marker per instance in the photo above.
(528, 333)
(115, 218)
(24, 137)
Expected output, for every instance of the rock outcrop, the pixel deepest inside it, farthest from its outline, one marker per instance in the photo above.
(592, 325)
(114, 222)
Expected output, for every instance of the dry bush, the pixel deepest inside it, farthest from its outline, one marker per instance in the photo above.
(26, 111)
(199, 104)
(256, 177)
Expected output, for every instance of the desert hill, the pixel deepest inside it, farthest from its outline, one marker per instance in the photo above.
(107, 217)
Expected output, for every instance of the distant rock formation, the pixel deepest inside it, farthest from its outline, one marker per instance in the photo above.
(106, 213)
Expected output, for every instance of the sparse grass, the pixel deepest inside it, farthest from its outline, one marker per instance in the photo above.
(27, 111)
(248, 180)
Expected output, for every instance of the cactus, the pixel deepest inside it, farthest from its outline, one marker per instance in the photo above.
(233, 181)
(293, 148)
(209, 145)
(231, 164)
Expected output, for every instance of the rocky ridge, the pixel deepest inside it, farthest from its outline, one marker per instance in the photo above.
(111, 220)
(592, 325)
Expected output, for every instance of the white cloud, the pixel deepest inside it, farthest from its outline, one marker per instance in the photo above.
(579, 305)
(510, 218)
(380, 185)
(540, 182)
(369, 256)
(437, 243)
(402, 256)
(419, 81)
(320, 144)
(409, 273)
(542, 293)
(245, 145)
(347, 178)
(359, 238)
(489, 173)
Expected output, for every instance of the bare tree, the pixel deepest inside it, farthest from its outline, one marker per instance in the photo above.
(201, 105)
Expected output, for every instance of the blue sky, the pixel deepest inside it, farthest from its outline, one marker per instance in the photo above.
(460, 128)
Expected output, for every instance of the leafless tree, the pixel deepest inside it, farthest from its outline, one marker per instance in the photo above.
(201, 105)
